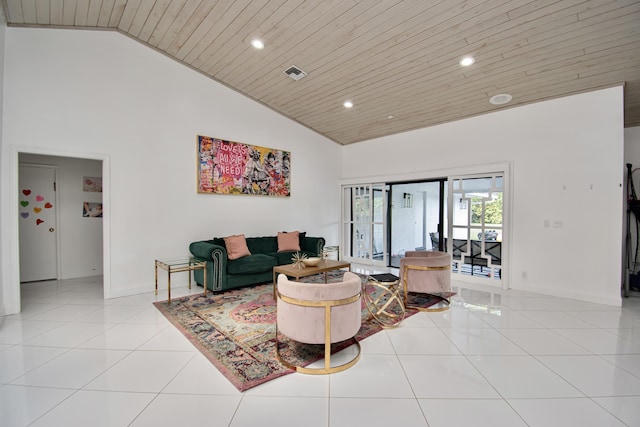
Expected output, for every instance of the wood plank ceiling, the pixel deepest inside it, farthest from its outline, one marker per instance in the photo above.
(396, 60)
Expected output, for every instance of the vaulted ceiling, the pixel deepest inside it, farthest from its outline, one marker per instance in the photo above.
(397, 61)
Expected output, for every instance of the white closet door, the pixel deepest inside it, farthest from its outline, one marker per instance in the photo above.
(37, 220)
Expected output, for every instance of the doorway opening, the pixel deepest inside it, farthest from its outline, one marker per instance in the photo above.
(60, 223)
(417, 217)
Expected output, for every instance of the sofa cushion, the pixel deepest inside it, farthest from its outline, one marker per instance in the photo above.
(262, 245)
(288, 241)
(217, 241)
(255, 263)
(236, 246)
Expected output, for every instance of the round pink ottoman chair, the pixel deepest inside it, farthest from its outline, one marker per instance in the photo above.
(319, 313)
(427, 272)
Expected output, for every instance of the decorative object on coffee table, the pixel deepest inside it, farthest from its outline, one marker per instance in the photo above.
(311, 262)
(298, 260)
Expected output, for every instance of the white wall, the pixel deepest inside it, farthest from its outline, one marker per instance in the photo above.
(100, 95)
(3, 28)
(80, 238)
(632, 150)
(566, 161)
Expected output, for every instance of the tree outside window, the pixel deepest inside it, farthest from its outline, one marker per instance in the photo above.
(492, 210)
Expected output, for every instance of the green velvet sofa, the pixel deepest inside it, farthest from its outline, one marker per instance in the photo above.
(223, 273)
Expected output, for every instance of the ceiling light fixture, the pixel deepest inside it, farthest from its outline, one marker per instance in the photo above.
(501, 98)
(257, 43)
(390, 116)
(466, 61)
(348, 104)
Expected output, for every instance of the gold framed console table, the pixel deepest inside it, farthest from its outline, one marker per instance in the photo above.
(178, 265)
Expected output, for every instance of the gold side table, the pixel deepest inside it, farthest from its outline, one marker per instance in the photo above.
(179, 265)
(331, 252)
(387, 308)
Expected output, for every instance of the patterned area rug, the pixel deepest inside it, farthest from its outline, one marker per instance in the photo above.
(235, 330)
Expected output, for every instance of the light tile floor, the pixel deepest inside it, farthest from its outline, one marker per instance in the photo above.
(496, 358)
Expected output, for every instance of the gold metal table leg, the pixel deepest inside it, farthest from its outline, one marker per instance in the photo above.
(275, 285)
(189, 273)
(204, 278)
(169, 285)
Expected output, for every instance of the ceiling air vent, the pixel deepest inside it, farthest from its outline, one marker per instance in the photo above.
(295, 73)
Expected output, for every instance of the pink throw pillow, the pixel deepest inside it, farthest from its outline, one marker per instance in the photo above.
(236, 246)
(288, 241)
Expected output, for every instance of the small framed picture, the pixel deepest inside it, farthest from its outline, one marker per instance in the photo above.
(92, 184)
(92, 210)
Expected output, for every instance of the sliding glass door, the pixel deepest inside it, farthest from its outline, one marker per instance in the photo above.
(363, 222)
(461, 215)
(417, 217)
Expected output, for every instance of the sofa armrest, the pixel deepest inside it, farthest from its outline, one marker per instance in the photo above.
(204, 250)
(216, 257)
(313, 245)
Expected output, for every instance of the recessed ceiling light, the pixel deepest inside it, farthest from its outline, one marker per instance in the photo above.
(257, 43)
(501, 98)
(466, 61)
(390, 116)
(348, 104)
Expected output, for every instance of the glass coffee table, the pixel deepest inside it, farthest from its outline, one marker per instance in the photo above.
(292, 270)
(178, 265)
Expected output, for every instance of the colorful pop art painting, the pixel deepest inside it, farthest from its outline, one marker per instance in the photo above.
(227, 167)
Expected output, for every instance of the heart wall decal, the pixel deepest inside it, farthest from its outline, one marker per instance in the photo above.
(48, 205)
(24, 203)
(39, 198)
(39, 221)
(24, 215)
(26, 192)
(37, 210)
